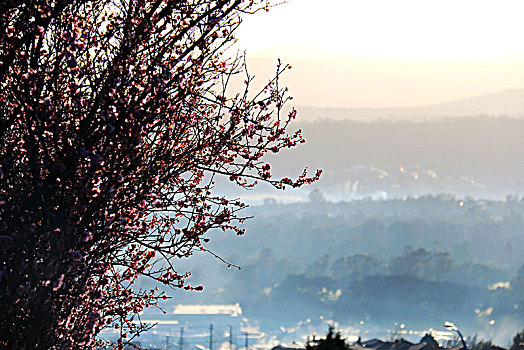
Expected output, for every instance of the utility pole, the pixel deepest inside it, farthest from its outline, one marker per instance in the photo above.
(247, 341)
(181, 342)
(211, 337)
(167, 342)
(230, 337)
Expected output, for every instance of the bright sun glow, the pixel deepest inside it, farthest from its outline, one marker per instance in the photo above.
(384, 53)
(420, 29)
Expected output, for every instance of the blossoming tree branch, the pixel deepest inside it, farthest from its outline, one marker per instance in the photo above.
(114, 124)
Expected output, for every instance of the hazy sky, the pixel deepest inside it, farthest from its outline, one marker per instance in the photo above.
(378, 53)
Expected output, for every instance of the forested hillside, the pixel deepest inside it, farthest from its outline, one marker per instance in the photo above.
(419, 261)
(479, 157)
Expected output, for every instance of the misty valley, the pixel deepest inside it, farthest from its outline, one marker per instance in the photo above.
(412, 225)
(418, 262)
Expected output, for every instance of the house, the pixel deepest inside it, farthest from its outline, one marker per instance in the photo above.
(426, 343)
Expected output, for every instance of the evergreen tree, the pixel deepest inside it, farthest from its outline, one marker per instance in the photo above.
(331, 342)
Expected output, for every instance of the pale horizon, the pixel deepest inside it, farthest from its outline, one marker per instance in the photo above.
(379, 54)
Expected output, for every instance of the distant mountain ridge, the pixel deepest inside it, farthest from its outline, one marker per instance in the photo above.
(507, 103)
